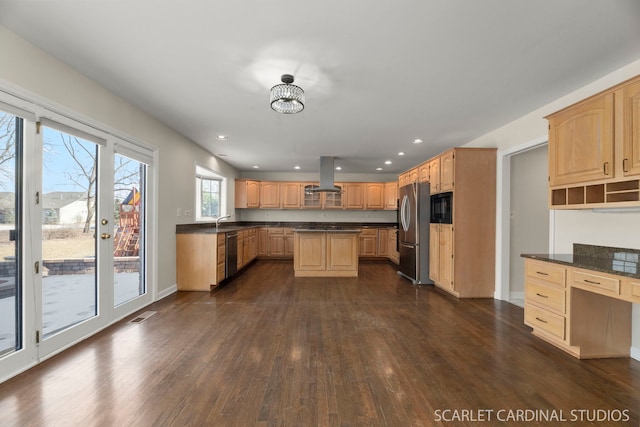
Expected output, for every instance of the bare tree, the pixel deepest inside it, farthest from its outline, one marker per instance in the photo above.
(7, 148)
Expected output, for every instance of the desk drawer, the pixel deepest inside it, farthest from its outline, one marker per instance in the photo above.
(596, 282)
(546, 271)
(544, 320)
(550, 297)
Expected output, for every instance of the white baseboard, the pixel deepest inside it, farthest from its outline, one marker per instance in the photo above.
(634, 352)
(166, 292)
(516, 295)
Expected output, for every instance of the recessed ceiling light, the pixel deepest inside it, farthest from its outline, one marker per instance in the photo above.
(387, 162)
(296, 167)
(222, 137)
(401, 153)
(222, 155)
(379, 169)
(256, 167)
(418, 141)
(338, 168)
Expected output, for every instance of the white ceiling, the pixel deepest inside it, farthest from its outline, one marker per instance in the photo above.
(377, 74)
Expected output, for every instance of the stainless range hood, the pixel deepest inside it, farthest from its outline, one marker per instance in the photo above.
(326, 176)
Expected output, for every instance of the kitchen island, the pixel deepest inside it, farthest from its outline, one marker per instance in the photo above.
(325, 252)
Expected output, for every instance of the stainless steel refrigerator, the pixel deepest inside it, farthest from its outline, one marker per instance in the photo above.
(413, 232)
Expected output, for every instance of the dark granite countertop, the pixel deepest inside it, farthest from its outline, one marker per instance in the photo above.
(619, 261)
(210, 227)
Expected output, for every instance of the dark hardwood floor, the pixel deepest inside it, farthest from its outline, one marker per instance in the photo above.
(268, 349)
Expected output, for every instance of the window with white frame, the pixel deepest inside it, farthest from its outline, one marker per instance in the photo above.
(210, 188)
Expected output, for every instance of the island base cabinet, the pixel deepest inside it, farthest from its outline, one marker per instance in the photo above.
(319, 254)
(197, 262)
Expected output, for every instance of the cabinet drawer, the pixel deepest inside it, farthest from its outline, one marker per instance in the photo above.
(550, 297)
(276, 230)
(544, 320)
(592, 281)
(546, 271)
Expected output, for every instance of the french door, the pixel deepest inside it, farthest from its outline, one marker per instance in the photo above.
(73, 233)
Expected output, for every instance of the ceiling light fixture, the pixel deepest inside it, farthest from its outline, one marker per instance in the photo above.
(296, 167)
(338, 168)
(379, 169)
(287, 98)
(387, 162)
(401, 153)
(222, 137)
(417, 141)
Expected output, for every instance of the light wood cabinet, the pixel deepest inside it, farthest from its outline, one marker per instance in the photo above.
(375, 196)
(441, 259)
(288, 242)
(249, 246)
(263, 242)
(392, 248)
(240, 250)
(391, 196)
(319, 254)
(247, 193)
(383, 242)
(270, 195)
(423, 172)
(274, 242)
(581, 142)
(462, 254)
(311, 199)
(197, 261)
(447, 164)
(434, 175)
(353, 195)
(583, 312)
(629, 109)
(594, 151)
(291, 195)
(368, 242)
(334, 200)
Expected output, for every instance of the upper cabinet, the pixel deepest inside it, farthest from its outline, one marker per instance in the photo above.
(434, 175)
(247, 193)
(630, 112)
(391, 195)
(594, 151)
(270, 195)
(375, 195)
(423, 172)
(304, 195)
(581, 142)
(446, 171)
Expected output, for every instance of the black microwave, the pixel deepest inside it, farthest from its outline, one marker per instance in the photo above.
(442, 208)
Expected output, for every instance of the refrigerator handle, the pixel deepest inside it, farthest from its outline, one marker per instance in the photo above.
(403, 213)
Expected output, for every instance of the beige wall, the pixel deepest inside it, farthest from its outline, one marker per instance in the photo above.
(33, 71)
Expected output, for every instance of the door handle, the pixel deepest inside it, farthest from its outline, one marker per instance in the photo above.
(105, 236)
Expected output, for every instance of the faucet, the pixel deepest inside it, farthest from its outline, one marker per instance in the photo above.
(220, 218)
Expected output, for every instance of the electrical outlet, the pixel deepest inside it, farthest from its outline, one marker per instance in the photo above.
(179, 212)
(187, 212)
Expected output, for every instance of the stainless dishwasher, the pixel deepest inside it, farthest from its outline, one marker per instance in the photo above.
(231, 262)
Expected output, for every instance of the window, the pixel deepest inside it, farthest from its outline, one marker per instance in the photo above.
(210, 189)
(210, 197)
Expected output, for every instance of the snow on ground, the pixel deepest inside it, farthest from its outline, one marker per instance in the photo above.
(66, 300)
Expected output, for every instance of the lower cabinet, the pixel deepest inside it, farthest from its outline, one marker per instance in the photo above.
(583, 312)
(199, 257)
(320, 254)
(368, 242)
(392, 246)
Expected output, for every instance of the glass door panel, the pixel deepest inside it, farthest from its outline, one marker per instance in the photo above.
(69, 273)
(129, 226)
(10, 236)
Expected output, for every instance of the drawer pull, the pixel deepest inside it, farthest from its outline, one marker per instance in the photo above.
(542, 296)
(541, 273)
(541, 320)
(592, 282)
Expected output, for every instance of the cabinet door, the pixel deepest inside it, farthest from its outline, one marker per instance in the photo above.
(391, 196)
(253, 194)
(434, 252)
(375, 195)
(312, 251)
(270, 195)
(423, 172)
(291, 195)
(240, 250)
(413, 175)
(333, 200)
(434, 175)
(383, 242)
(392, 248)
(247, 194)
(310, 198)
(353, 195)
(368, 242)
(446, 171)
(288, 242)
(445, 257)
(263, 242)
(342, 251)
(581, 142)
(246, 250)
(631, 128)
(276, 242)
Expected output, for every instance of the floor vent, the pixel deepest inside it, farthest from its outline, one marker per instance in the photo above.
(142, 317)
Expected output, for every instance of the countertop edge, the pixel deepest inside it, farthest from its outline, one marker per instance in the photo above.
(585, 266)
